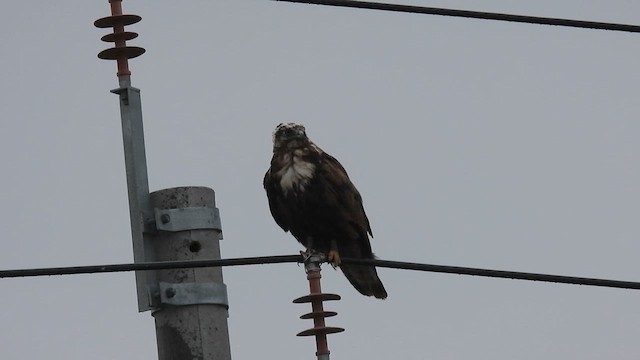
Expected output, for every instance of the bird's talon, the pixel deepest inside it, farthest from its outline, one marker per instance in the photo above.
(333, 258)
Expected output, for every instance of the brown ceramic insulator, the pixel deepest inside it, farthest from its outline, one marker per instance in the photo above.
(316, 297)
(121, 52)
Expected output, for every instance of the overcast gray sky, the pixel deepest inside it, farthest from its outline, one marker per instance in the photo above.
(473, 143)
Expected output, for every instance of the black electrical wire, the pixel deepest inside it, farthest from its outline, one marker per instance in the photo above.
(473, 14)
(163, 265)
(156, 265)
(497, 273)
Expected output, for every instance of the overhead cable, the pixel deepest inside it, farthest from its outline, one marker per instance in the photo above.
(497, 273)
(473, 14)
(162, 265)
(156, 265)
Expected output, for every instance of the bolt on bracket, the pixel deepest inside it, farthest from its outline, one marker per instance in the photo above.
(189, 218)
(194, 294)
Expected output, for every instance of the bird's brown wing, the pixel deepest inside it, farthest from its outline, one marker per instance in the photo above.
(345, 194)
(355, 225)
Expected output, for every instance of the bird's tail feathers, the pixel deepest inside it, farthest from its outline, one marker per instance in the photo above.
(365, 279)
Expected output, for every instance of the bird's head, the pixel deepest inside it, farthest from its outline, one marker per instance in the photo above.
(289, 135)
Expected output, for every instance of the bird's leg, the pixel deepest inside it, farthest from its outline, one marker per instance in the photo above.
(333, 257)
(309, 244)
(306, 255)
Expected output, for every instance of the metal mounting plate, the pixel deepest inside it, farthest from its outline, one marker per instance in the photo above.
(190, 218)
(194, 294)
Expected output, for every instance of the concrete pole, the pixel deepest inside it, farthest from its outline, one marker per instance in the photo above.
(189, 323)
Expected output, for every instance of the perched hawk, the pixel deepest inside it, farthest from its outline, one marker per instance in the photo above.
(311, 196)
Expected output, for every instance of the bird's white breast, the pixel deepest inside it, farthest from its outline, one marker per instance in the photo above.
(296, 172)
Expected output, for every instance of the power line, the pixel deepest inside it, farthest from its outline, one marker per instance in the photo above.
(498, 273)
(163, 265)
(473, 14)
(157, 265)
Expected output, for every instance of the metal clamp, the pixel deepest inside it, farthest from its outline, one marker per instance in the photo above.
(194, 294)
(190, 218)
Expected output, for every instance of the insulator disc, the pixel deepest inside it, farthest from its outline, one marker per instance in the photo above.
(312, 297)
(111, 21)
(114, 53)
(126, 35)
(320, 330)
(319, 314)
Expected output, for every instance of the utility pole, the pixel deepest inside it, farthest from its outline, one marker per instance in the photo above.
(189, 305)
(191, 323)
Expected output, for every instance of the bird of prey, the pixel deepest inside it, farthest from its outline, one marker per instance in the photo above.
(311, 196)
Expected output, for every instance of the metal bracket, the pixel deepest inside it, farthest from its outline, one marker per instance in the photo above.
(312, 260)
(190, 218)
(194, 294)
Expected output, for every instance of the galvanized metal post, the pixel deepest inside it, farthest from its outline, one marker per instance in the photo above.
(140, 210)
(191, 322)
